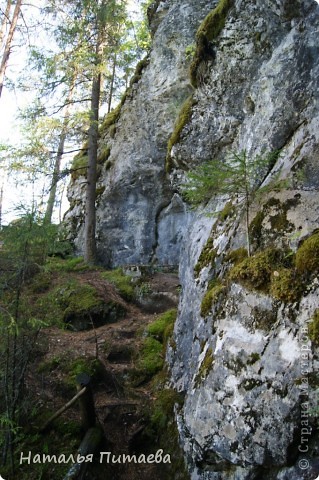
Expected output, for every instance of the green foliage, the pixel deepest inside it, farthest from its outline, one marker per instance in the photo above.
(227, 211)
(91, 367)
(183, 119)
(73, 264)
(209, 29)
(123, 283)
(161, 328)
(307, 256)
(235, 176)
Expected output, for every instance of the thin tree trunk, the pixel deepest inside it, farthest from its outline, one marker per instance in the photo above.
(90, 216)
(5, 21)
(7, 48)
(59, 155)
(112, 85)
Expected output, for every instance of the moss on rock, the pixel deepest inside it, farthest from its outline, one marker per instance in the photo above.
(183, 119)
(307, 256)
(210, 297)
(209, 29)
(207, 257)
(286, 285)
(205, 367)
(255, 271)
(162, 327)
(314, 328)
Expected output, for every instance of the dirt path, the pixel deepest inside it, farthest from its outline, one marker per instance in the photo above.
(119, 401)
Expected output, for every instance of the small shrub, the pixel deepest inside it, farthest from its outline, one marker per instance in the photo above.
(307, 256)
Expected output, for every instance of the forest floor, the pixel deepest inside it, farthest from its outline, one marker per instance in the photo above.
(122, 394)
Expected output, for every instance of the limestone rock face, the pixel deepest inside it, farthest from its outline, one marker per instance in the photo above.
(247, 362)
(137, 192)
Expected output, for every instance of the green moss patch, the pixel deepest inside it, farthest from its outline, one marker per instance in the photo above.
(104, 155)
(151, 358)
(84, 308)
(226, 212)
(139, 69)
(163, 408)
(206, 258)
(210, 297)
(205, 367)
(79, 166)
(123, 283)
(255, 272)
(209, 29)
(236, 256)
(286, 285)
(162, 327)
(307, 256)
(314, 328)
(183, 119)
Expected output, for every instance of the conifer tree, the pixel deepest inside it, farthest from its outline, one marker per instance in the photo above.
(238, 176)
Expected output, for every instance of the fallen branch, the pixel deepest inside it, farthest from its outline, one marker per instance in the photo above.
(63, 409)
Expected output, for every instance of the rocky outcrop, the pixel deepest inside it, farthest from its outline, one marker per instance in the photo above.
(138, 207)
(245, 349)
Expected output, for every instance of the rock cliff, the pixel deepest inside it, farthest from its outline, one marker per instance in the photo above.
(244, 351)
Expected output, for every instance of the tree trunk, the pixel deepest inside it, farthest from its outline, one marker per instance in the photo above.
(5, 21)
(59, 155)
(7, 47)
(90, 217)
(111, 85)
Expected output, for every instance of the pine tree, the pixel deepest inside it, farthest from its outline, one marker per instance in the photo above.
(238, 176)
